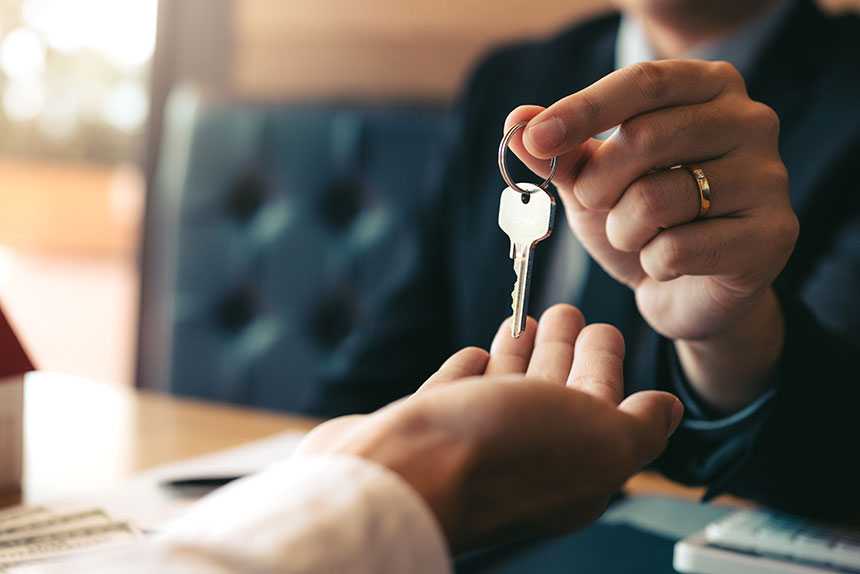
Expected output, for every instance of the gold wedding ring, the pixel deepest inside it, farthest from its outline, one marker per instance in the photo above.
(703, 185)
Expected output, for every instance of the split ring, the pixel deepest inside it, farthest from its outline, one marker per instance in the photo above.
(503, 168)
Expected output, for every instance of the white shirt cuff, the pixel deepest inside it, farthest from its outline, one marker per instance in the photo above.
(327, 513)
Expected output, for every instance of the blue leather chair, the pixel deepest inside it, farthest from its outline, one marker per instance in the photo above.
(278, 224)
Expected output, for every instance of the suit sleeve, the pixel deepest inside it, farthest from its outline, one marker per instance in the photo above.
(796, 448)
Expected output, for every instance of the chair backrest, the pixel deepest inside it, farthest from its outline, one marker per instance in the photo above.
(275, 224)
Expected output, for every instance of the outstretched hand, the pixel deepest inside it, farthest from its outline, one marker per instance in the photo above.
(531, 438)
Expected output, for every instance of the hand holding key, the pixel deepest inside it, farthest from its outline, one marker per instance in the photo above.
(700, 246)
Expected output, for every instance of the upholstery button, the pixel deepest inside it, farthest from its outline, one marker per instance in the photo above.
(247, 195)
(342, 201)
(333, 317)
(239, 308)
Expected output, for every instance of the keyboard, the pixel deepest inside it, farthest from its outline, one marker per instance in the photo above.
(763, 542)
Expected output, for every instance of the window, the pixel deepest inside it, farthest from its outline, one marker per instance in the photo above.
(73, 77)
(73, 107)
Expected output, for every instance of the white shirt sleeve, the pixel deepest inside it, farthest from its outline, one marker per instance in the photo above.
(311, 514)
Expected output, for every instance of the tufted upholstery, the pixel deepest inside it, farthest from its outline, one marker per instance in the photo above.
(284, 219)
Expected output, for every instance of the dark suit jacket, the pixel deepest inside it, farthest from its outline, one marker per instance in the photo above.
(798, 451)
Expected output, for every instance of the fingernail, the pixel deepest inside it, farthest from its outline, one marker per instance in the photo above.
(548, 135)
(677, 416)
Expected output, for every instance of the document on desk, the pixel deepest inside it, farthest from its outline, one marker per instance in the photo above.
(33, 534)
(132, 509)
(145, 503)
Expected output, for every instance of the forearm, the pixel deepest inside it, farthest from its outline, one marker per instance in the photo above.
(310, 515)
(731, 369)
(791, 452)
(804, 446)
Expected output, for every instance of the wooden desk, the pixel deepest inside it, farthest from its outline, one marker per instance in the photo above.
(83, 435)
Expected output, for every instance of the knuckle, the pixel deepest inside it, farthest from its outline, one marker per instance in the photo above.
(638, 135)
(618, 227)
(787, 230)
(726, 70)
(775, 177)
(652, 80)
(764, 119)
(650, 202)
(590, 108)
(729, 73)
(588, 195)
(669, 255)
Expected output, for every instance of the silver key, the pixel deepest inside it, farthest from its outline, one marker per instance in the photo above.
(527, 218)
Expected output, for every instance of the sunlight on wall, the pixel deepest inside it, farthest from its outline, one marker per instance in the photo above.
(73, 77)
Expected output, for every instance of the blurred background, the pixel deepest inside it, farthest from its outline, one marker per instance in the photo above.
(74, 100)
(117, 115)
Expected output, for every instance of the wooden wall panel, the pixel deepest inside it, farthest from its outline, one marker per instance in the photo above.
(374, 49)
(69, 208)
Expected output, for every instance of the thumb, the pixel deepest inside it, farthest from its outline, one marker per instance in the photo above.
(656, 415)
(468, 362)
(569, 164)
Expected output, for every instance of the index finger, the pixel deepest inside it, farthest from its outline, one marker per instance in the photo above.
(509, 355)
(556, 334)
(621, 95)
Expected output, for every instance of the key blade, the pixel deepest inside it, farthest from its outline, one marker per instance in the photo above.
(518, 295)
(527, 219)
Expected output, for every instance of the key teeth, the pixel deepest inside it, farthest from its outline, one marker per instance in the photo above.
(517, 303)
(516, 329)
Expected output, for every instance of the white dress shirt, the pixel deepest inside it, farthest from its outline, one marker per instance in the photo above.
(309, 515)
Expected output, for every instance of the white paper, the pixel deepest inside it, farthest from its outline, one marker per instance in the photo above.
(147, 505)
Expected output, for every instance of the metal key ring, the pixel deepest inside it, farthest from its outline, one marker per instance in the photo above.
(503, 149)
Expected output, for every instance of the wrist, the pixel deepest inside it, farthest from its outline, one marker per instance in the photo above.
(731, 369)
(432, 461)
